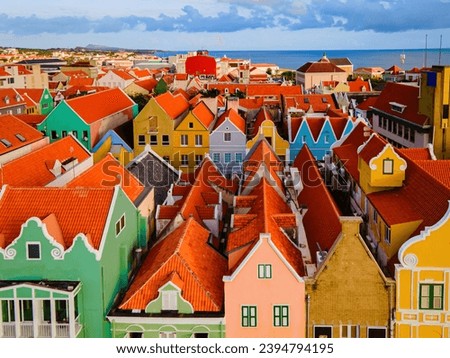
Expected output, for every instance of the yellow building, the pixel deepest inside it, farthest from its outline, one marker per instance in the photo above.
(156, 123)
(434, 102)
(423, 281)
(349, 296)
(264, 127)
(191, 138)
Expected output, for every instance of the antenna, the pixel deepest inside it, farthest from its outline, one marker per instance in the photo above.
(440, 50)
(426, 46)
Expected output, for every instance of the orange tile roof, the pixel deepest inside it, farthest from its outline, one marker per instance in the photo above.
(31, 119)
(262, 115)
(123, 74)
(38, 163)
(168, 211)
(140, 73)
(81, 81)
(319, 67)
(17, 133)
(315, 126)
(96, 106)
(34, 93)
(415, 153)
(203, 114)
(267, 207)
(321, 221)
(174, 106)
(318, 103)
(233, 117)
(438, 169)
(199, 270)
(251, 103)
(369, 102)
(15, 99)
(106, 173)
(372, 148)
(403, 94)
(148, 84)
(73, 208)
(338, 124)
(359, 85)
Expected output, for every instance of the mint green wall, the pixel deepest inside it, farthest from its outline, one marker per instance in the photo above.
(182, 330)
(101, 280)
(46, 102)
(63, 118)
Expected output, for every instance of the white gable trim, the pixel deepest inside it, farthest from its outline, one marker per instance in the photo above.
(263, 236)
(108, 221)
(411, 260)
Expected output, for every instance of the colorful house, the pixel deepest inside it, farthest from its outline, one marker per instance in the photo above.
(44, 290)
(115, 79)
(178, 292)
(264, 127)
(191, 138)
(227, 142)
(11, 102)
(156, 122)
(113, 143)
(89, 117)
(347, 294)
(262, 254)
(423, 302)
(40, 97)
(18, 138)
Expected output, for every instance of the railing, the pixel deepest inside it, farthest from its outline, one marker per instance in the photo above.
(26, 330)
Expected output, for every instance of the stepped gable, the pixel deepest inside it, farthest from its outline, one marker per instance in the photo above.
(70, 209)
(321, 220)
(186, 259)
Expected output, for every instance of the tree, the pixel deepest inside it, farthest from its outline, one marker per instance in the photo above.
(140, 99)
(288, 75)
(161, 87)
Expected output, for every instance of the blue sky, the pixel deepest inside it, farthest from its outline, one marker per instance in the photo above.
(226, 24)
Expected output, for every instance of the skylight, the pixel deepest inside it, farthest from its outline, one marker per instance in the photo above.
(20, 137)
(5, 142)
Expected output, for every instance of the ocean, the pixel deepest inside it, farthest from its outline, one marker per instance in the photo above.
(293, 59)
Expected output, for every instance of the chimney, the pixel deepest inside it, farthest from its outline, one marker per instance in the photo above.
(233, 103)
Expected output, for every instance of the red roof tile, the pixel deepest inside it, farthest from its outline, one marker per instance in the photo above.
(31, 119)
(318, 103)
(233, 117)
(72, 207)
(199, 269)
(405, 95)
(94, 107)
(37, 165)
(148, 84)
(315, 126)
(262, 115)
(203, 114)
(321, 221)
(415, 153)
(369, 102)
(168, 211)
(16, 133)
(319, 67)
(34, 93)
(108, 172)
(14, 98)
(372, 148)
(174, 106)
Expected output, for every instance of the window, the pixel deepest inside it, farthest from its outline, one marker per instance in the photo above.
(248, 315)
(120, 224)
(227, 157)
(8, 314)
(141, 139)
(327, 139)
(184, 159)
(216, 157)
(62, 310)
(445, 111)
(265, 271)
(167, 335)
(54, 135)
(166, 159)
(349, 331)
(375, 216)
(238, 157)
(135, 334)
(198, 159)
(281, 316)
(64, 134)
(412, 135)
(227, 137)
(323, 331)
(169, 300)
(85, 135)
(33, 251)
(191, 124)
(200, 335)
(75, 134)
(165, 139)
(198, 140)
(184, 139)
(26, 310)
(400, 130)
(431, 296)
(153, 139)
(303, 139)
(406, 133)
(376, 332)
(387, 234)
(388, 166)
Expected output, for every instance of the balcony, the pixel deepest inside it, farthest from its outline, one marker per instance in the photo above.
(43, 329)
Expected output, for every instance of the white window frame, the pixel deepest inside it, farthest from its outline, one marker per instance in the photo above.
(227, 137)
(216, 157)
(265, 271)
(325, 326)
(120, 225)
(28, 253)
(169, 300)
(184, 160)
(140, 140)
(198, 140)
(376, 327)
(184, 140)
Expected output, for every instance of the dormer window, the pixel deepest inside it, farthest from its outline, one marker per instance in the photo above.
(324, 100)
(388, 166)
(6, 99)
(169, 301)
(397, 107)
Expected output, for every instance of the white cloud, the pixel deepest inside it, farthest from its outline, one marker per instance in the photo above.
(386, 5)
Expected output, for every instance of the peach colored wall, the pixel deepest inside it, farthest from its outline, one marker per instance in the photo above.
(282, 289)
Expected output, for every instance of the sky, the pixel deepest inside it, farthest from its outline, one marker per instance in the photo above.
(227, 24)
